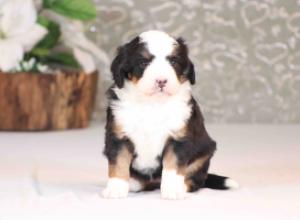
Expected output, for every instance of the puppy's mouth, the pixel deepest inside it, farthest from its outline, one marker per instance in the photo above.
(159, 92)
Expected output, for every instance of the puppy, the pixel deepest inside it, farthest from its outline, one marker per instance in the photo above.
(155, 134)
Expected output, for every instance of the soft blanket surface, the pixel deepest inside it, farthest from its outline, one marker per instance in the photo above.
(59, 175)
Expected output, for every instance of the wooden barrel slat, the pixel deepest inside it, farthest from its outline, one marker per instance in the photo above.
(32, 102)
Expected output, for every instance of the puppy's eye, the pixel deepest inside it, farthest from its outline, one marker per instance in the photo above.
(143, 63)
(173, 60)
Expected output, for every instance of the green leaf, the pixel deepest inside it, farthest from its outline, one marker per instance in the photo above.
(46, 2)
(45, 56)
(64, 59)
(76, 9)
(51, 39)
(39, 52)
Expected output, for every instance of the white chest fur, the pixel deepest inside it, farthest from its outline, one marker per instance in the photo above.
(148, 123)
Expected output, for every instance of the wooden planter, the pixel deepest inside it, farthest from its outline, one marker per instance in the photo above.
(32, 101)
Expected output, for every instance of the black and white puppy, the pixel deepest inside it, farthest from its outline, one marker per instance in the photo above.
(155, 134)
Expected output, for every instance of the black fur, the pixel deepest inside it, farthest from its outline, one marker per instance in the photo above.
(195, 144)
(198, 180)
(216, 182)
(151, 175)
(131, 61)
(133, 57)
(187, 67)
(120, 66)
(113, 144)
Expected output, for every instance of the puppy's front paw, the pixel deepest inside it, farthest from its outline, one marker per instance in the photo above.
(172, 185)
(116, 188)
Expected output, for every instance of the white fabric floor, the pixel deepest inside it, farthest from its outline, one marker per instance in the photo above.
(59, 175)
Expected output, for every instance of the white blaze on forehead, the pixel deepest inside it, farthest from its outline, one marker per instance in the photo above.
(159, 43)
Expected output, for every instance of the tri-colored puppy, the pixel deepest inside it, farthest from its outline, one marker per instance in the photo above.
(155, 134)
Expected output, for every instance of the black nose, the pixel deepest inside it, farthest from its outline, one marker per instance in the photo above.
(161, 83)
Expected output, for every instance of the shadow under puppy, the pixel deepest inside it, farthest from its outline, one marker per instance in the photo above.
(155, 134)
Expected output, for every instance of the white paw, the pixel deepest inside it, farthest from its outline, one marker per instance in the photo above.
(135, 185)
(116, 188)
(172, 185)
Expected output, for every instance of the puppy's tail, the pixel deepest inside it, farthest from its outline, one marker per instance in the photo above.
(220, 182)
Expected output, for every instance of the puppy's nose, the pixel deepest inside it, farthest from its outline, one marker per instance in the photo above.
(161, 83)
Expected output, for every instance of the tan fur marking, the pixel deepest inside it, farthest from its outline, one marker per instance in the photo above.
(182, 79)
(180, 133)
(188, 184)
(118, 130)
(133, 79)
(121, 168)
(146, 54)
(170, 162)
(196, 165)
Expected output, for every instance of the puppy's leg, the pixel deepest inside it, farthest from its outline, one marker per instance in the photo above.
(179, 178)
(118, 182)
(172, 181)
(196, 173)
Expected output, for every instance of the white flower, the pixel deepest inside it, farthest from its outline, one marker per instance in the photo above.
(43, 68)
(84, 50)
(19, 31)
(31, 65)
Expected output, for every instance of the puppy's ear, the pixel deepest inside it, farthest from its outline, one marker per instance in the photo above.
(121, 66)
(117, 67)
(191, 73)
(189, 70)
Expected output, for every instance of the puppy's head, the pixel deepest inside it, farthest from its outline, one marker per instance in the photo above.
(155, 63)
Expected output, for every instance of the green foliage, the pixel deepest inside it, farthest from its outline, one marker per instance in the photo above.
(52, 38)
(63, 59)
(43, 53)
(39, 52)
(47, 57)
(76, 9)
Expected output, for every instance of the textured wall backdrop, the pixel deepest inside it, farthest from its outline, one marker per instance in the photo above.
(247, 53)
